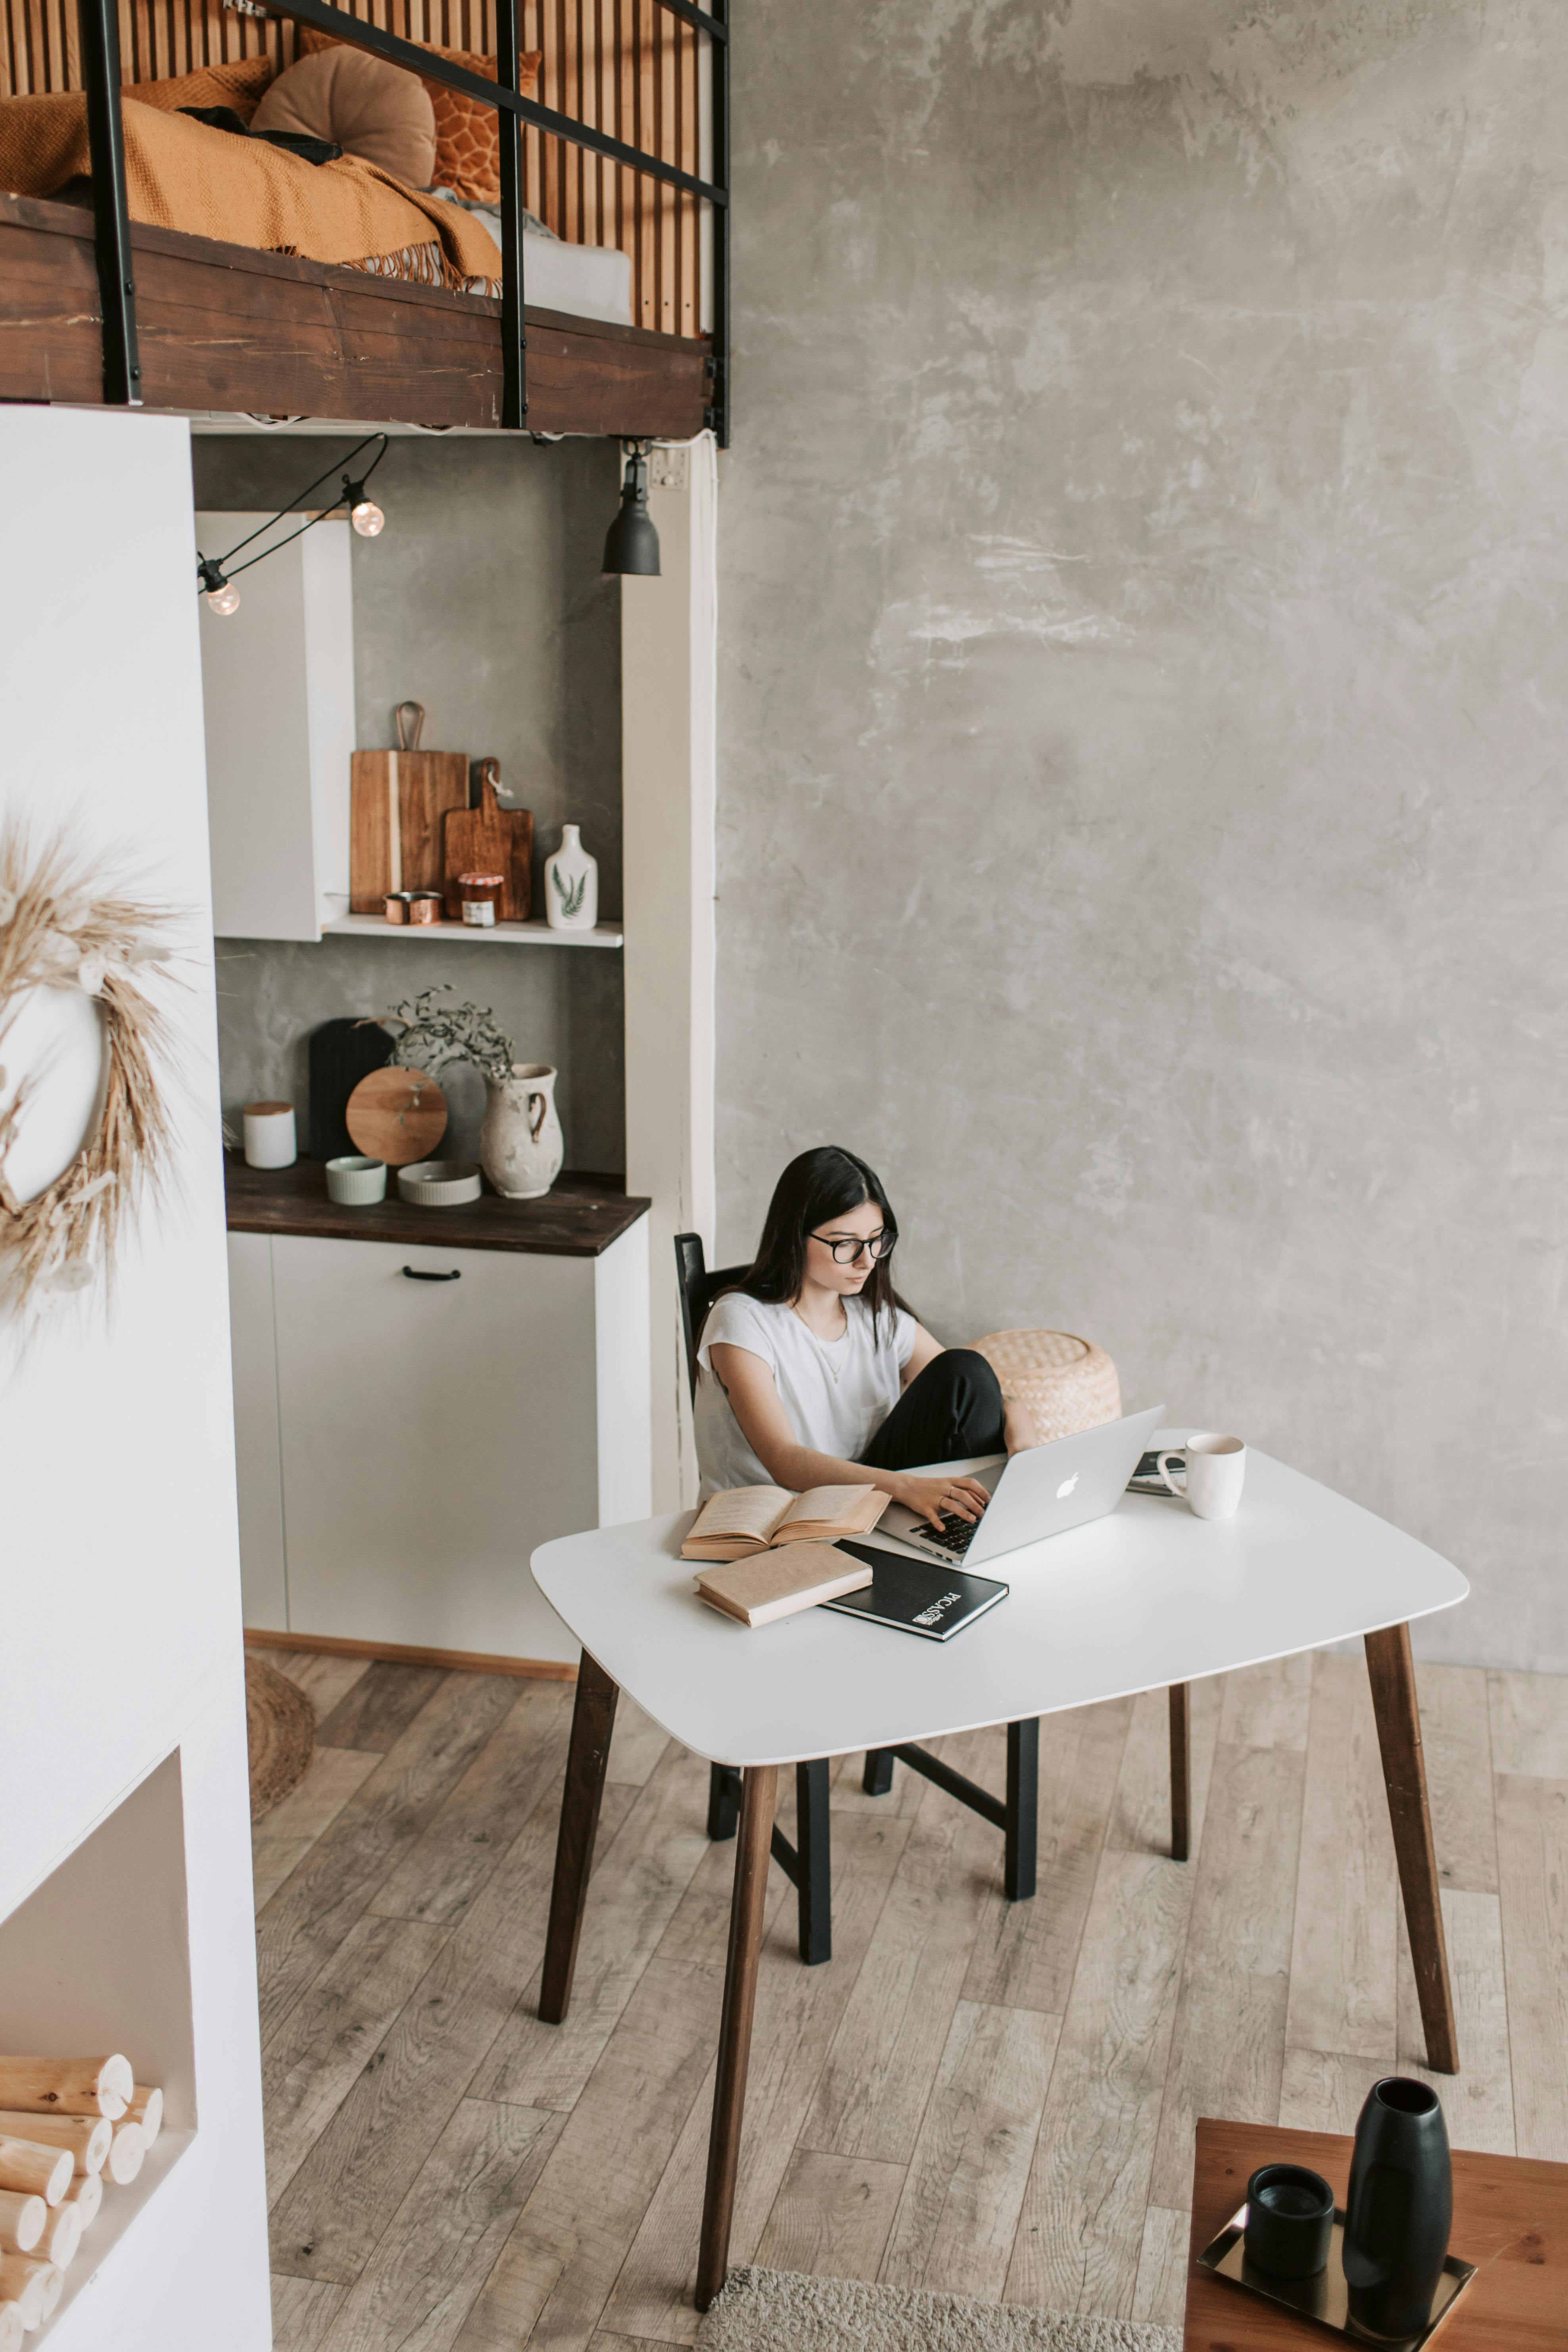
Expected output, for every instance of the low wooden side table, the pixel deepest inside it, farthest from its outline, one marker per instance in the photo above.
(1510, 2218)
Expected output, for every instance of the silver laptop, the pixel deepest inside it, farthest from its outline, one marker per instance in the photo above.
(1039, 1492)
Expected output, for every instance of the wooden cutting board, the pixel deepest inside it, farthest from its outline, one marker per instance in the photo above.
(397, 803)
(398, 1116)
(488, 839)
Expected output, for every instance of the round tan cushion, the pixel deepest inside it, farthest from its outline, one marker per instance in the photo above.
(371, 109)
(468, 137)
(1068, 1383)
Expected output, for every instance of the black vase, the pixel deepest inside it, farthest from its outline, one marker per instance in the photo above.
(1399, 2209)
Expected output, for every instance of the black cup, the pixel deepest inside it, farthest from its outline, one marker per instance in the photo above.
(1289, 2220)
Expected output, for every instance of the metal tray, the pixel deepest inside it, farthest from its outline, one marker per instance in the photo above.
(1326, 2298)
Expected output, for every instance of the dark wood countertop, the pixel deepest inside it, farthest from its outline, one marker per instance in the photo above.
(578, 1217)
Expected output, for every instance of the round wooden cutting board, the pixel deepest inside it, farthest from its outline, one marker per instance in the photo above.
(398, 1116)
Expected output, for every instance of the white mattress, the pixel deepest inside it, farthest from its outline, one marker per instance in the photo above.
(591, 282)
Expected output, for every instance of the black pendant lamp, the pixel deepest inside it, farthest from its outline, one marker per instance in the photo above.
(631, 543)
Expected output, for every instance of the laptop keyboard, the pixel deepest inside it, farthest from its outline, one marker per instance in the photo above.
(955, 1534)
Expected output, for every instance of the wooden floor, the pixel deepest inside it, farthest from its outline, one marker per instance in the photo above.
(973, 2097)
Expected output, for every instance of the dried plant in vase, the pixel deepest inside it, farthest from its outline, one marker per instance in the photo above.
(436, 1034)
(65, 926)
(521, 1144)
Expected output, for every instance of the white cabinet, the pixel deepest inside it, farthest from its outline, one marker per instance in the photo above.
(435, 1414)
(277, 681)
(257, 1463)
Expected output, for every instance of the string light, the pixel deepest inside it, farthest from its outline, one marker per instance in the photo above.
(364, 513)
(221, 593)
(213, 575)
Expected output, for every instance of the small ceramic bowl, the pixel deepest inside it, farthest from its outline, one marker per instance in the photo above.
(439, 1183)
(357, 1182)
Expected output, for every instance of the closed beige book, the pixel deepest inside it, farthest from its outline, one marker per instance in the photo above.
(747, 1520)
(776, 1583)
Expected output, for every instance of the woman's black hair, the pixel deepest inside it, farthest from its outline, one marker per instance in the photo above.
(818, 1186)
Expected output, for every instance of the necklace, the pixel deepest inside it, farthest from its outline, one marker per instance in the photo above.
(823, 1345)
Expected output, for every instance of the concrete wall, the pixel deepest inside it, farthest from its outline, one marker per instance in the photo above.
(1142, 829)
(483, 600)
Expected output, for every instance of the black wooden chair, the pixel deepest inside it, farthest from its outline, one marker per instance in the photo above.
(807, 1864)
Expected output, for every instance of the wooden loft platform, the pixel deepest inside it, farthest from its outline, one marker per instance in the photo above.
(223, 326)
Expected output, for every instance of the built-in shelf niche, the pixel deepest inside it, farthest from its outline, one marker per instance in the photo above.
(97, 1959)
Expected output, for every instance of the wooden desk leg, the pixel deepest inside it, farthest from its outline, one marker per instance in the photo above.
(759, 1794)
(1391, 1671)
(1181, 1774)
(593, 1721)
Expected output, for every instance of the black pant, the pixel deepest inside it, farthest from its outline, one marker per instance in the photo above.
(949, 1410)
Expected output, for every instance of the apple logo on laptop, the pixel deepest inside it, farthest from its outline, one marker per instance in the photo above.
(1065, 1489)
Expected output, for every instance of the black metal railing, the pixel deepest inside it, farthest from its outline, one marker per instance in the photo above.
(111, 218)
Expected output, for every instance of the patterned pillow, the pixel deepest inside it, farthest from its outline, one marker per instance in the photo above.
(468, 136)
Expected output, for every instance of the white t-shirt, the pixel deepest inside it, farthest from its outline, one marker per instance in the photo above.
(836, 1393)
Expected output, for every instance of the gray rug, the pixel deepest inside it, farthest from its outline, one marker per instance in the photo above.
(784, 2311)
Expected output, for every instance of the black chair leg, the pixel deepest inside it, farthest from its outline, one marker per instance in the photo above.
(878, 1778)
(723, 1801)
(1181, 1773)
(1023, 1826)
(814, 1885)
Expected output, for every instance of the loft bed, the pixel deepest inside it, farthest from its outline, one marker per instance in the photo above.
(625, 148)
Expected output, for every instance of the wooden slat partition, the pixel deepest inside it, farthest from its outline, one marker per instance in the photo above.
(627, 67)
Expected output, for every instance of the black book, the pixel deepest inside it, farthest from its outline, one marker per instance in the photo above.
(918, 1596)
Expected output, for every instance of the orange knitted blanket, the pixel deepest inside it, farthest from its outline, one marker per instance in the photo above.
(183, 174)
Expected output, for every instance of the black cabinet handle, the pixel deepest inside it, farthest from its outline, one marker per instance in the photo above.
(415, 1275)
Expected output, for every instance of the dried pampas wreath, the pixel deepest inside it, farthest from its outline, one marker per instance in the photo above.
(63, 926)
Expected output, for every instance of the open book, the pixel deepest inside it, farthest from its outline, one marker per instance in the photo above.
(753, 1518)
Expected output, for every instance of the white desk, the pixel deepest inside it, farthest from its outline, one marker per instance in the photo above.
(1147, 1598)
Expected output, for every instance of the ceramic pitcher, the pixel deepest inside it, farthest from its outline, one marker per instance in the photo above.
(520, 1143)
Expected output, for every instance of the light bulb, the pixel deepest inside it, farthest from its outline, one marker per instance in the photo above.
(367, 519)
(225, 599)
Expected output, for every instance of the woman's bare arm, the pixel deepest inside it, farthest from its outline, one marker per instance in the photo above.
(755, 1402)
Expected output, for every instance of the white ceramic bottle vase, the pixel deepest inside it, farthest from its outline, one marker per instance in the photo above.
(571, 885)
(521, 1144)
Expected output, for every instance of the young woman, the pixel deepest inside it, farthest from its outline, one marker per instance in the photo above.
(814, 1373)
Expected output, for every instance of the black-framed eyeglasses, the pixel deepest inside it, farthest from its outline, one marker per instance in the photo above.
(848, 1250)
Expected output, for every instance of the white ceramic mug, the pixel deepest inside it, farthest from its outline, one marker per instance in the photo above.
(1216, 1471)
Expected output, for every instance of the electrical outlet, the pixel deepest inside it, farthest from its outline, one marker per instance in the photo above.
(669, 470)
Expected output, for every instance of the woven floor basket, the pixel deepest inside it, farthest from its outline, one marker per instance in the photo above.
(1069, 1384)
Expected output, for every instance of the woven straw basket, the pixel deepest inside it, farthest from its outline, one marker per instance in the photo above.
(1068, 1384)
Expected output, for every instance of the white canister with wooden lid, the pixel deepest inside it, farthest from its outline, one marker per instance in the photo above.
(270, 1135)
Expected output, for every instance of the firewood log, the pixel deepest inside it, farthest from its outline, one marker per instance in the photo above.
(67, 2086)
(22, 2219)
(26, 2282)
(62, 2236)
(146, 2108)
(126, 2154)
(36, 2168)
(87, 2138)
(85, 2195)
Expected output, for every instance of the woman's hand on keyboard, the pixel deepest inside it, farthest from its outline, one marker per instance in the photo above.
(938, 1499)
